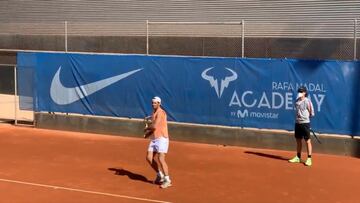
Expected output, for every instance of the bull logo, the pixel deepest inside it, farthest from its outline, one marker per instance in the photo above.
(214, 82)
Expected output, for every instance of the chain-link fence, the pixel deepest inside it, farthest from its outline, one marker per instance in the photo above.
(196, 38)
(314, 39)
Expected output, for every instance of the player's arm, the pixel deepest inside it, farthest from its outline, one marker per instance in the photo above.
(156, 120)
(147, 133)
(310, 108)
(149, 129)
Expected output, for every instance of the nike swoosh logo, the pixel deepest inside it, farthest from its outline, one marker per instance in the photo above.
(64, 95)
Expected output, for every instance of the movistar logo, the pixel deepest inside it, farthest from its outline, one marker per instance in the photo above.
(66, 95)
(242, 114)
(219, 88)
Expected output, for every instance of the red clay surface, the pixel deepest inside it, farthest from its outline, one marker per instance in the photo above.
(85, 166)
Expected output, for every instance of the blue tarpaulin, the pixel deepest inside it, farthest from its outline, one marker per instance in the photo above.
(257, 93)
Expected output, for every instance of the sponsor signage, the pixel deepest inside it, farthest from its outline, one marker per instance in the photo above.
(256, 93)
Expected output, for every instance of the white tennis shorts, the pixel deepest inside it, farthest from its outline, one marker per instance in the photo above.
(160, 145)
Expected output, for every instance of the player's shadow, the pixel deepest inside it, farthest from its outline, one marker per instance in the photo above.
(131, 175)
(266, 155)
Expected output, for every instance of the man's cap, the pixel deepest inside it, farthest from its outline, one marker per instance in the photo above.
(156, 99)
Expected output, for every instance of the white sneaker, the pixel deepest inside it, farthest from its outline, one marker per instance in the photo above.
(165, 184)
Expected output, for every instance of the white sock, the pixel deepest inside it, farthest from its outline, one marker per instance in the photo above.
(160, 174)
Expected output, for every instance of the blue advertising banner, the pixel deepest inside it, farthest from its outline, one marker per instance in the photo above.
(257, 93)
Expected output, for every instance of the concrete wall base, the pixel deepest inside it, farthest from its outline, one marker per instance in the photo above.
(219, 135)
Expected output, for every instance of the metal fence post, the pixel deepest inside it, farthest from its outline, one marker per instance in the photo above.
(355, 37)
(147, 37)
(66, 44)
(242, 38)
(15, 95)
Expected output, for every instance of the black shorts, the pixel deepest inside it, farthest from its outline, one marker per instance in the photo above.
(302, 130)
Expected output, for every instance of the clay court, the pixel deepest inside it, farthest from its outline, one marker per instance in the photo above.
(56, 166)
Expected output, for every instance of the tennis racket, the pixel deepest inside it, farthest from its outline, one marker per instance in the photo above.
(314, 134)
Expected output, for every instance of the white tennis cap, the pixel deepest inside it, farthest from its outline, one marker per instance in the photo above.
(156, 99)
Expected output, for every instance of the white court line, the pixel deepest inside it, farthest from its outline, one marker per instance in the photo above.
(79, 190)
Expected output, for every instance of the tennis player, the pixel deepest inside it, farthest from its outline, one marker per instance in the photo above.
(159, 144)
(304, 110)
